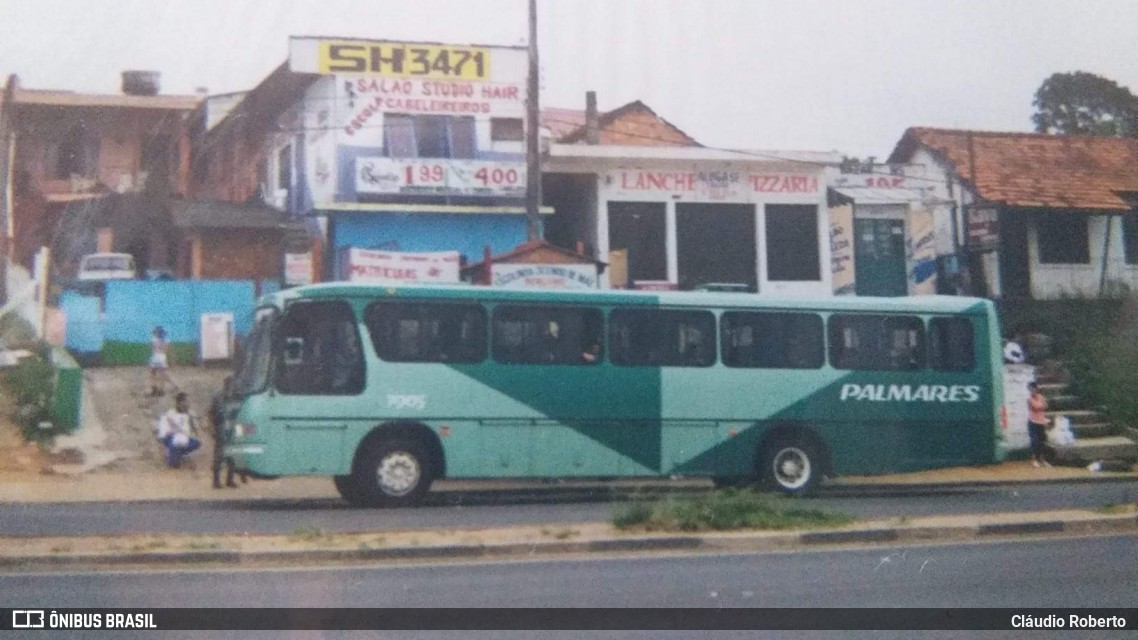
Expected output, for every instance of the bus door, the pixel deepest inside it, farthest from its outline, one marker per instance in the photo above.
(319, 370)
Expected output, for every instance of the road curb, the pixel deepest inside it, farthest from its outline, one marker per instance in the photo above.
(721, 542)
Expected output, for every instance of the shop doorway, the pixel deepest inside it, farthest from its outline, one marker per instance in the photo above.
(879, 257)
(716, 244)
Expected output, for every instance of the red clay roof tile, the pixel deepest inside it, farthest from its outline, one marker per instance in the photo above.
(1034, 170)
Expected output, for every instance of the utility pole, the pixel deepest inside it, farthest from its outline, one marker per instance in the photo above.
(533, 152)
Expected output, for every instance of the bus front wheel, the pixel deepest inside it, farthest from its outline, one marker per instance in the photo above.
(792, 465)
(391, 473)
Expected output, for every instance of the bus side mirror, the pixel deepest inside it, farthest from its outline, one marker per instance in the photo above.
(294, 351)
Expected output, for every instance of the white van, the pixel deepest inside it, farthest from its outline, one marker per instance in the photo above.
(107, 266)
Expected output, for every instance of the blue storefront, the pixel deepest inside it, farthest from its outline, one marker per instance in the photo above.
(421, 228)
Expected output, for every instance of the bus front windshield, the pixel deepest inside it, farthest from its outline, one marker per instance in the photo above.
(253, 370)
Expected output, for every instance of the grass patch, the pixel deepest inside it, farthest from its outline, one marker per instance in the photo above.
(1117, 509)
(722, 511)
(310, 533)
(203, 545)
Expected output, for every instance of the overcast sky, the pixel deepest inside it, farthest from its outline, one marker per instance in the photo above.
(808, 74)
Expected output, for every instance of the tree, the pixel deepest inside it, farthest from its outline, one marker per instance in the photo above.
(1084, 104)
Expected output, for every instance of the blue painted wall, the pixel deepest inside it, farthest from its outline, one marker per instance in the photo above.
(466, 233)
(135, 307)
(130, 309)
(84, 321)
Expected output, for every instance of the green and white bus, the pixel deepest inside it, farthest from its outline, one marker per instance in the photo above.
(388, 388)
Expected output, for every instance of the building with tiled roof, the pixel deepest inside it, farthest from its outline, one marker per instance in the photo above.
(665, 211)
(1039, 215)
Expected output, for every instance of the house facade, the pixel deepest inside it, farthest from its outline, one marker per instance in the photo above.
(889, 233)
(70, 147)
(665, 212)
(1036, 216)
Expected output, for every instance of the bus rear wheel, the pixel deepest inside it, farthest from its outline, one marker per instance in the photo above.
(391, 473)
(791, 465)
(346, 486)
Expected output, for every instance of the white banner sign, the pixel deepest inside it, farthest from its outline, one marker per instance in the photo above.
(710, 186)
(440, 177)
(391, 267)
(1016, 379)
(298, 268)
(544, 276)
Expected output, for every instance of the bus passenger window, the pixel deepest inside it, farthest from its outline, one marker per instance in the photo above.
(951, 344)
(319, 351)
(427, 331)
(537, 334)
(772, 340)
(662, 338)
(876, 343)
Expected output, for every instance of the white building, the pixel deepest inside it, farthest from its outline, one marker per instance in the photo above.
(666, 212)
(1036, 216)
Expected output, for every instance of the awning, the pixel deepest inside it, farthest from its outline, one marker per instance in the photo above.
(873, 195)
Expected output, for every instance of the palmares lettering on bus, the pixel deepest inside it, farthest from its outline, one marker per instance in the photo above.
(386, 389)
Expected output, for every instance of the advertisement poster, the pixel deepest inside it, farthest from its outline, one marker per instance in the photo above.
(544, 276)
(392, 267)
(841, 250)
(921, 252)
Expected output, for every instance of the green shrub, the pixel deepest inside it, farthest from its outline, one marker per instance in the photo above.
(1066, 320)
(721, 511)
(31, 383)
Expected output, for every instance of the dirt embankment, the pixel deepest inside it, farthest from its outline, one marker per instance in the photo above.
(128, 413)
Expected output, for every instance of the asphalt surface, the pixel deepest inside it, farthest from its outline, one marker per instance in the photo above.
(482, 509)
(1066, 572)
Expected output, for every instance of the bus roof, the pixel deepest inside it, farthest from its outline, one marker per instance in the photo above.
(910, 304)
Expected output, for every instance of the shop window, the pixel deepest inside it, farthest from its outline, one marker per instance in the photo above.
(715, 243)
(951, 344)
(507, 130)
(427, 332)
(319, 351)
(638, 227)
(1063, 238)
(534, 334)
(773, 340)
(792, 243)
(1130, 237)
(662, 338)
(406, 136)
(876, 343)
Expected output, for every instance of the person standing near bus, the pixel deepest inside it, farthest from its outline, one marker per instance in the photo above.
(159, 362)
(1037, 425)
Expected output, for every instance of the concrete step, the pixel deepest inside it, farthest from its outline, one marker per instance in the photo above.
(1085, 451)
(1064, 402)
(1094, 430)
(1077, 416)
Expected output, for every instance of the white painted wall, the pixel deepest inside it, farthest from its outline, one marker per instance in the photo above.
(1057, 280)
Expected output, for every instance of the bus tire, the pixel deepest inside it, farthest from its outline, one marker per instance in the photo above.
(791, 464)
(392, 473)
(346, 486)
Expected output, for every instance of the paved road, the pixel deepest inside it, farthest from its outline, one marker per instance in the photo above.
(455, 509)
(1073, 572)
